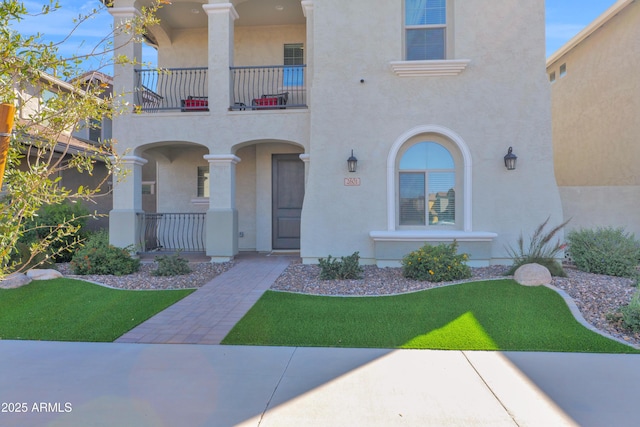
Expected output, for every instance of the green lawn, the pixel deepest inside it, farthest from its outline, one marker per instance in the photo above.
(491, 315)
(74, 310)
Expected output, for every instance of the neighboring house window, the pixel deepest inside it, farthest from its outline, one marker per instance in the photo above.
(293, 55)
(425, 29)
(203, 181)
(552, 76)
(427, 185)
(563, 70)
(95, 130)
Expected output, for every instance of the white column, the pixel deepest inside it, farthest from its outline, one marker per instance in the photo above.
(222, 216)
(307, 9)
(124, 79)
(127, 202)
(221, 21)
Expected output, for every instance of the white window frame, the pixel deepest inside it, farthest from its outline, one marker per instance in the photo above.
(203, 182)
(463, 208)
(426, 173)
(431, 67)
(447, 33)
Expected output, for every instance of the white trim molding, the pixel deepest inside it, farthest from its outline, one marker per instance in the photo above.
(391, 171)
(222, 158)
(221, 8)
(432, 68)
(432, 236)
(124, 11)
(307, 6)
(132, 160)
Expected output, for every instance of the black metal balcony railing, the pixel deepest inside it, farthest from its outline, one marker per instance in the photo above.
(252, 88)
(169, 89)
(172, 232)
(270, 87)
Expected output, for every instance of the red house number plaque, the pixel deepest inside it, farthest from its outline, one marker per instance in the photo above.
(352, 182)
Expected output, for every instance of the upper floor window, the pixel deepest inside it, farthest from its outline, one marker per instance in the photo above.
(427, 185)
(293, 55)
(425, 29)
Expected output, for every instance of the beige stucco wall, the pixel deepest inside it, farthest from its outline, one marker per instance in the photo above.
(596, 130)
(606, 206)
(501, 99)
(264, 45)
(188, 48)
(252, 46)
(596, 106)
(177, 173)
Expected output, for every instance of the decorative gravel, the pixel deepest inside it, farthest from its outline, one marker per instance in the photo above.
(595, 295)
(201, 273)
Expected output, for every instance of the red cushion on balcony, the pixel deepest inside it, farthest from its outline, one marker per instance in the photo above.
(196, 104)
(266, 101)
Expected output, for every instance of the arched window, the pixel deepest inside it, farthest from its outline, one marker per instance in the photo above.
(427, 185)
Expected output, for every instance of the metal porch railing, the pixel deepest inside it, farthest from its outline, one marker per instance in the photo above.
(268, 87)
(252, 88)
(183, 89)
(171, 232)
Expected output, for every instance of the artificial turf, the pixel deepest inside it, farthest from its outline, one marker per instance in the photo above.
(75, 310)
(488, 315)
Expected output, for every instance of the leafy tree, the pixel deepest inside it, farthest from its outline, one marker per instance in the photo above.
(40, 150)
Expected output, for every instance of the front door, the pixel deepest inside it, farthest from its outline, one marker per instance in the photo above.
(288, 194)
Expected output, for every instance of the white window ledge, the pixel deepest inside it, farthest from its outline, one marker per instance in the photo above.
(432, 236)
(446, 67)
(200, 201)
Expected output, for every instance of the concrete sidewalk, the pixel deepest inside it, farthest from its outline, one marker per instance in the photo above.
(138, 385)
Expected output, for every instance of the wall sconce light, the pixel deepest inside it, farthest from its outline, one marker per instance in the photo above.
(510, 160)
(352, 163)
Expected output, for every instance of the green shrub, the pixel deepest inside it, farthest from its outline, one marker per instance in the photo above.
(541, 250)
(628, 316)
(171, 265)
(343, 268)
(97, 256)
(607, 250)
(46, 225)
(440, 263)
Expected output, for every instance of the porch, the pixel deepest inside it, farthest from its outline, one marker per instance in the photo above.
(252, 88)
(171, 233)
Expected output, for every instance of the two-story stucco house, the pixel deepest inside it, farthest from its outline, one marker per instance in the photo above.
(247, 131)
(595, 87)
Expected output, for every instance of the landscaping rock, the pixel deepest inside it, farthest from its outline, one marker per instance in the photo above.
(532, 275)
(43, 274)
(14, 280)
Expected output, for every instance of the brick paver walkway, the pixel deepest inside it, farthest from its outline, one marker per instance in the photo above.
(208, 314)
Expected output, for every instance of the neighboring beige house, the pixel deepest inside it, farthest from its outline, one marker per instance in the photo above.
(249, 128)
(595, 88)
(30, 100)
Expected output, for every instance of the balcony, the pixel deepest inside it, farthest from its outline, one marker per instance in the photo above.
(252, 88)
(274, 86)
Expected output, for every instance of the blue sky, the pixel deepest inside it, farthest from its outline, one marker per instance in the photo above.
(565, 18)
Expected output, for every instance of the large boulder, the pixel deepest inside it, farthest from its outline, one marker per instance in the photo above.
(532, 275)
(43, 274)
(14, 280)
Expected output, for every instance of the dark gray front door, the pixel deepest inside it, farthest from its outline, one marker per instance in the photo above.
(288, 194)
